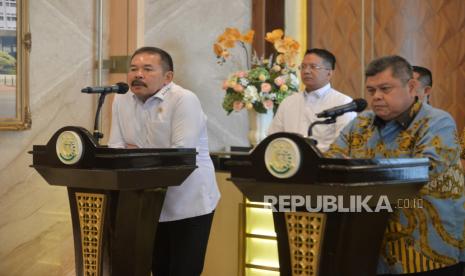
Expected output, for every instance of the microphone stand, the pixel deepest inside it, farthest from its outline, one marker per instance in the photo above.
(328, 121)
(97, 134)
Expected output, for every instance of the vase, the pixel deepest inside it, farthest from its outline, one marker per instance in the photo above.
(258, 125)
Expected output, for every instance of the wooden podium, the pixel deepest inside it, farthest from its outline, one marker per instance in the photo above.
(115, 195)
(343, 242)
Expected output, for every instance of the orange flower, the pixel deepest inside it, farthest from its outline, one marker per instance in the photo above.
(286, 44)
(233, 33)
(294, 46)
(288, 49)
(218, 49)
(229, 38)
(274, 35)
(226, 40)
(248, 37)
(225, 54)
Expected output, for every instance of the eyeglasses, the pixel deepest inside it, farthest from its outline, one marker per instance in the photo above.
(312, 67)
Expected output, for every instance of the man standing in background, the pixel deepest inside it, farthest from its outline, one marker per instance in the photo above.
(424, 83)
(297, 112)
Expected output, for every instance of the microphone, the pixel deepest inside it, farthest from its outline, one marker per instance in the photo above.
(119, 88)
(356, 105)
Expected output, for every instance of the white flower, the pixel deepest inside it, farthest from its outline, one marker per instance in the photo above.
(243, 81)
(294, 80)
(251, 94)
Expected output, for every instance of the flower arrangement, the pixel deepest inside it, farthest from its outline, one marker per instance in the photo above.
(266, 82)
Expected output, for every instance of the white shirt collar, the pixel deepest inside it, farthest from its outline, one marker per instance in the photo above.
(163, 91)
(160, 94)
(320, 92)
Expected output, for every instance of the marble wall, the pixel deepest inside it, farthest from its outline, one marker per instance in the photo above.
(187, 29)
(35, 226)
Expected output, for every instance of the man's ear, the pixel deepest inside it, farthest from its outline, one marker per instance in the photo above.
(169, 77)
(411, 84)
(330, 73)
(428, 90)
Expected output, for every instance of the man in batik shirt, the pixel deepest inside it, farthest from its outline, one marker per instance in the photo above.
(427, 240)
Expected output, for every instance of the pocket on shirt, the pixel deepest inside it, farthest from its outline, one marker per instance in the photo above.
(158, 134)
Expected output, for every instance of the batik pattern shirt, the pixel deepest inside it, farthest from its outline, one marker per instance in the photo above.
(416, 239)
(463, 144)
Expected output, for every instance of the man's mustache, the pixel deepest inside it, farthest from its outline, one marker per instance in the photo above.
(138, 83)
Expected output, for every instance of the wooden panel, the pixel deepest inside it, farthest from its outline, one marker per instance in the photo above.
(335, 25)
(267, 15)
(368, 38)
(258, 24)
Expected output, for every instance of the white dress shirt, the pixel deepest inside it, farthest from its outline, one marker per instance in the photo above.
(297, 112)
(172, 118)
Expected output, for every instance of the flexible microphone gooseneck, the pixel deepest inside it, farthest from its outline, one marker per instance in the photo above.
(356, 105)
(119, 88)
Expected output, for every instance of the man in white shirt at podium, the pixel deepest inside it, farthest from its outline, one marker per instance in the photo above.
(298, 111)
(157, 113)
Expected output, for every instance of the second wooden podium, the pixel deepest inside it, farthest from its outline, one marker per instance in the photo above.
(342, 239)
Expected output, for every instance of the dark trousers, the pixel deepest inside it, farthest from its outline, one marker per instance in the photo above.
(180, 246)
(454, 270)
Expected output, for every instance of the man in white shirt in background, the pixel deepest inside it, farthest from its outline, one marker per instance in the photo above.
(423, 83)
(297, 112)
(157, 113)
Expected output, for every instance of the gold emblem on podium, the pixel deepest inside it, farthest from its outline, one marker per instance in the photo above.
(282, 157)
(69, 147)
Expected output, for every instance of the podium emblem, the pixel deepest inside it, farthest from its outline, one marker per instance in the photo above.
(282, 157)
(69, 147)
